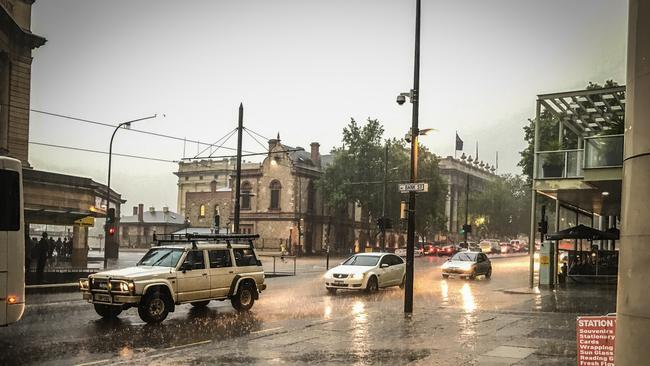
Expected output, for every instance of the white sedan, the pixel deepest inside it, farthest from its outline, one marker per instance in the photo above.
(366, 271)
(417, 252)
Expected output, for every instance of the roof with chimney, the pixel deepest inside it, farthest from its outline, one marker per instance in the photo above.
(155, 217)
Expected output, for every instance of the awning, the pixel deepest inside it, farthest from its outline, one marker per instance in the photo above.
(584, 232)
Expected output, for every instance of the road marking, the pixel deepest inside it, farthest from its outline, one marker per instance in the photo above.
(266, 330)
(93, 362)
(187, 345)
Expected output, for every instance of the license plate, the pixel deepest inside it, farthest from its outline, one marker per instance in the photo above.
(338, 282)
(102, 298)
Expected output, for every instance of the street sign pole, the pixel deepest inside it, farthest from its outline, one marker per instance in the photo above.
(410, 237)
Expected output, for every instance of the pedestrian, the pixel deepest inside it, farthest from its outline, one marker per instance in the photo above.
(42, 250)
(283, 252)
(28, 252)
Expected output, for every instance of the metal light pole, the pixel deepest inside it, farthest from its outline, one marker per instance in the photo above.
(126, 124)
(383, 201)
(410, 245)
(466, 209)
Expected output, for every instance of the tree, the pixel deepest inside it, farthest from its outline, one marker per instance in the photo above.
(357, 173)
(503, 206)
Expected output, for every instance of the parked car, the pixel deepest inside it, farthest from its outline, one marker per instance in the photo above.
(366, 271)
(178, 273)
(467, 264)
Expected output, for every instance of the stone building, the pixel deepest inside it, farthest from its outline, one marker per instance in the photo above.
(50, 198)
(456, 173)
(205, 190)
(137, 231)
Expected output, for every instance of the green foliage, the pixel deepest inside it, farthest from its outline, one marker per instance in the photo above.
(357, 173)
(548, 130)
(505, 205)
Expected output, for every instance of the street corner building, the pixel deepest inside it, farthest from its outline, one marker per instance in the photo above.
(280, 200)
(138, 230)
(50, 198)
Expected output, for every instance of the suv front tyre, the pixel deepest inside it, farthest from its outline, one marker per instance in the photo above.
(154, 307)
(244, 298)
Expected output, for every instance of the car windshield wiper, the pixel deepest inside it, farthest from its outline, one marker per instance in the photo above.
(161, 258)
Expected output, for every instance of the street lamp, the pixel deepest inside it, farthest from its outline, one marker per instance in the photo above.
(401, 99)
(107, 227)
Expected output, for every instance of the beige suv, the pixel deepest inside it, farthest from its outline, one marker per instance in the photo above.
(193, 270)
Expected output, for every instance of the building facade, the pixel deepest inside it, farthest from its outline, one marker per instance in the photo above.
(461, 175)
(50, 198)
(137, 231)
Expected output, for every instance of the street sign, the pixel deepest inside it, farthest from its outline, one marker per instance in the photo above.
(85, 221)
(596, 337)
(413, 187)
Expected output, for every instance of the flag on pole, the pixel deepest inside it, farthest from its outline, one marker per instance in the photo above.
(459, 143)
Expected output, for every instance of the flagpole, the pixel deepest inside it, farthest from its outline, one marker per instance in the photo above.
(455, 139)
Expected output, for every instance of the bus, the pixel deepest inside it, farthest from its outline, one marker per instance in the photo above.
(12, 242)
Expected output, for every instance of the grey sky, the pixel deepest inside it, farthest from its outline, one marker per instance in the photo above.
(303, 68)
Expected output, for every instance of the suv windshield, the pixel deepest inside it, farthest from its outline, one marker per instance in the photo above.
(361, 260)
(465, 256)
(162, 257)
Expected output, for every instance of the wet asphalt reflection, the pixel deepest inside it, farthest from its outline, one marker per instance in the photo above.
(70, 332)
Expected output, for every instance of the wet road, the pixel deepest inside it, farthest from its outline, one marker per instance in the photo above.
(59, 330)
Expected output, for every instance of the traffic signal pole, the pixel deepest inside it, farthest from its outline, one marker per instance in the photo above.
(410, 245)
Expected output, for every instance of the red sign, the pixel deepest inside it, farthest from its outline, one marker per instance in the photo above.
(596, 337)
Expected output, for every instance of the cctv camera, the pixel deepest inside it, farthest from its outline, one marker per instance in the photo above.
(401, 99)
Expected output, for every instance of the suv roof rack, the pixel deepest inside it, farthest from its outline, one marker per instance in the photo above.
(160, 239)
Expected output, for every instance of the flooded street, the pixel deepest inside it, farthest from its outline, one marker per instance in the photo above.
(294, 322)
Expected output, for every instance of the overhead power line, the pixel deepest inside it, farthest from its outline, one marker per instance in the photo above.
(113, 126)
(101, 152)
(243, 155)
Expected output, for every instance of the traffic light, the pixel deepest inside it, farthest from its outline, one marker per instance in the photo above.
(467, 228)
(388, 224)
(111, 230)
(380, 223)
(110, 216)
(542, 227)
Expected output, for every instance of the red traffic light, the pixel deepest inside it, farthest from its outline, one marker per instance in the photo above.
(111, 230)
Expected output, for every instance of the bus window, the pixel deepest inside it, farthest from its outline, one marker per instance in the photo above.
(9, 200)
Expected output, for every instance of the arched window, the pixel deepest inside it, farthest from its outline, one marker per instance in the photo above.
(246, 195)
(213, 186)
(275, 188)
(202, 211)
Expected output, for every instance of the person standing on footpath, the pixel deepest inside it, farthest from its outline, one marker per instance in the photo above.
(42, 250)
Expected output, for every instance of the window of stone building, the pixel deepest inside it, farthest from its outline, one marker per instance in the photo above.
(213, 186)
(246, 195)
(275, 188)
(202, 211)
(311, 198)
(200, 177)
(187, 178)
